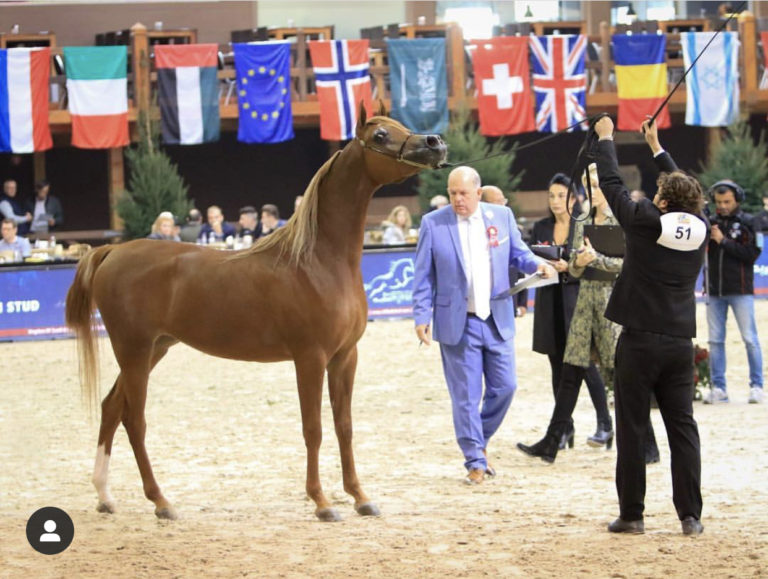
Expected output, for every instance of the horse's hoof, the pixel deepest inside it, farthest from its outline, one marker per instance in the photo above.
(328, 515)
(368, 510)
(106, 508)
(168, 513)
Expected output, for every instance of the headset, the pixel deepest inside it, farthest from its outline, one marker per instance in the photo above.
(738, 192)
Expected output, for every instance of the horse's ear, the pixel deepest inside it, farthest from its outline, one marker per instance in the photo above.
(382, 109)
(361, 118)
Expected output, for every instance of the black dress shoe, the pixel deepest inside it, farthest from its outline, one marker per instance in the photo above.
(622, 526)
(692, 526)
(546, 448)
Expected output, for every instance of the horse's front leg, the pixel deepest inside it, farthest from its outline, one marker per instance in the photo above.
(341, 377)
(309, 378)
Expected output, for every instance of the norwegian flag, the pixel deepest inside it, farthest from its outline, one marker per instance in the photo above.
(559, 81)
(342, 80)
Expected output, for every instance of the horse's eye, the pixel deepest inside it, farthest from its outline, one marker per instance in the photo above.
(380, 135)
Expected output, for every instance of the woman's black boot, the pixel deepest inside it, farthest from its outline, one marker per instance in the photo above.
(546, 448)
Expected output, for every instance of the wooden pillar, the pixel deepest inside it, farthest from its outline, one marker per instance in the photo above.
(594, 13)
(116, 176)
(605, 57)
(301, 63)
(457, 73)
(140, 60)
(714, 139)
(38, 161)
(748, 38)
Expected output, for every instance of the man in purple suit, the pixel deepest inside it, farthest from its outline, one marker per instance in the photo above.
(461, 281)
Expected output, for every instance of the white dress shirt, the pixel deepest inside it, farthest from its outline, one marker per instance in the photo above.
(477, 259)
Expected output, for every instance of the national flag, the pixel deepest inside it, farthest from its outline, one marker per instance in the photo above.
(188, 92)
(342, 81)
(264, 91)
(503, 86)
(98, 95)
(24, 74)
(559, 82)
(417, 76)
(712, 85)
(641, 79)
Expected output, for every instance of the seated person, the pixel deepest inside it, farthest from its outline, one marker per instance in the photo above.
(216, 229)
(396, 226)
(270, 219)
(249, 222)
(12, 242)
(191, 229)
(164, 227)
(46, 210)
(438, 202)
(11, 208)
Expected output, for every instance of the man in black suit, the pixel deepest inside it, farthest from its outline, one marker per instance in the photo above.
(654, 300)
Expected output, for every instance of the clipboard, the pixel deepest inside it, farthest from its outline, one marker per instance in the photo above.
(607, 239)
(534, 280)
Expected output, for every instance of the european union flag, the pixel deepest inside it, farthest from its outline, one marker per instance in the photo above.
(264, 92)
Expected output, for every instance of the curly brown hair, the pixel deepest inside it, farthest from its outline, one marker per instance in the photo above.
(681, 192)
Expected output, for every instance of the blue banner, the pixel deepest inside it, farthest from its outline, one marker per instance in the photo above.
(417, 77)
(264, 92)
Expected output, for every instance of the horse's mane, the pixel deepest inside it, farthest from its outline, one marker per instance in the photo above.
(298, 236)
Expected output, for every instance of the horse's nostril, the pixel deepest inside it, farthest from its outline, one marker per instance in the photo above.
(433, 141)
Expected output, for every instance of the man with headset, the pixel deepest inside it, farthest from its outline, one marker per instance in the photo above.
(733, 250)
(654, 300)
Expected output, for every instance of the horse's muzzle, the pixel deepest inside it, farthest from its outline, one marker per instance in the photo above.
(429, 150)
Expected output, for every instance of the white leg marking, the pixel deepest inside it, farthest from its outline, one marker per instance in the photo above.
(100, 471)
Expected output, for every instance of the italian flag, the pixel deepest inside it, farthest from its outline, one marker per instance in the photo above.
(98, 95)
(188, 92)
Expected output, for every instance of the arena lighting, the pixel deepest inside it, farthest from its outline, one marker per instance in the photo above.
(528, 13)
(631, 11)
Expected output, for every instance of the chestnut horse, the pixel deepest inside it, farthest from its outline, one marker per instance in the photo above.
(295, 295)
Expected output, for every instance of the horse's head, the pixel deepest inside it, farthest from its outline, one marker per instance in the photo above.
(394, 153)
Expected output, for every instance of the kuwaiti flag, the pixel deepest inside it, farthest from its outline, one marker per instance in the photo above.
(98, 96)
(712, 86)
(24, 76)
(188, 92)
(641, 79)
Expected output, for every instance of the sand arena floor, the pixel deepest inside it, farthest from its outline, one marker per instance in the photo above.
(226, 444)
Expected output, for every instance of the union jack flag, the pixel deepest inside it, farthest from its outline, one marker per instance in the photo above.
(559, 81)
(342, 80)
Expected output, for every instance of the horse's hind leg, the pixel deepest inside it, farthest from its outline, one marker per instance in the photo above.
(111, 411)
(341, 377)
(309, 377)
(136, 364)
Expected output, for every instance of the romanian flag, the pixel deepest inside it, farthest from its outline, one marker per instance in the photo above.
(189, 92)
(641, 79)
(98, 96)
(24, 76)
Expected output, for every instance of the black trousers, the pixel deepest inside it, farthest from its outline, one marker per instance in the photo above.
(646, 363)
(572, 383)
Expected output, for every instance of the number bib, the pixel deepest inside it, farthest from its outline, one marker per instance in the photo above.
(682, 231)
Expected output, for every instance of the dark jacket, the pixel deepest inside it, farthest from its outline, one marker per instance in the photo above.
(551, 297)
(227, 229)
(655, 291)
(52, 207)
(731, 262)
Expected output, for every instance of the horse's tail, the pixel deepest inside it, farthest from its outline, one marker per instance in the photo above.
(79, 317)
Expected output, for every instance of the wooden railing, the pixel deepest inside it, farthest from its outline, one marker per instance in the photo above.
(461, 89)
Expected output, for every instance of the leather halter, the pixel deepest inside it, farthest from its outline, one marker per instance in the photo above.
(397, 156)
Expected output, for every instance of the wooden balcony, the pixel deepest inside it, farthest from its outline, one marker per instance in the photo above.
(601, 94)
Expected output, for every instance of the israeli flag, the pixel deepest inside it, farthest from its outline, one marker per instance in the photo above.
(712, 85)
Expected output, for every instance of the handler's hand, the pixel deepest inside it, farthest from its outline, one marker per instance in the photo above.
(424, 333)
(604, 127)
(716, 234)
(586, 254)
(651, 133)
(560, 265)
(546, 270)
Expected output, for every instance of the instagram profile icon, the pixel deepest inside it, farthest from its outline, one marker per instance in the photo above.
(50, 530)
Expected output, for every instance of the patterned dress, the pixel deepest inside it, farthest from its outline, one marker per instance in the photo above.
(590, 330)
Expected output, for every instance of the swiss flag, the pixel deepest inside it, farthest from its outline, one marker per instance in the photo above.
(503, 86)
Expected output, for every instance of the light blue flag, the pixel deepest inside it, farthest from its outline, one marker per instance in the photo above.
(418, 83)
(264, 92)
(712, 86)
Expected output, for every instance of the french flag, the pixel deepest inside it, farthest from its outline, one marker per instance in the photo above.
(24, 74)
(188, 93)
